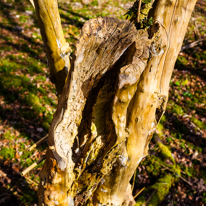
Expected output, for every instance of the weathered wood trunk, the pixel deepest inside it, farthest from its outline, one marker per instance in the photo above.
(115, 94)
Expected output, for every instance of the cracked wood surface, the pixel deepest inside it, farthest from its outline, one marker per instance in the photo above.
(102, 43)
(114, 97)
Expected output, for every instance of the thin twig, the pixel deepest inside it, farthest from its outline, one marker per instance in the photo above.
(36, 135)
(37, 143)
(32, 166)
(2, 174)
(139, 192)
(186, 181)
(197, 33)
(134, 179)
(150, 197)
(196, 127)
(32, 2)
(138, 11)
(31, 181)
(193, 44)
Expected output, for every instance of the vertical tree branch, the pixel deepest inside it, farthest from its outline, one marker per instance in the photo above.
(56, 47)
(138, 11)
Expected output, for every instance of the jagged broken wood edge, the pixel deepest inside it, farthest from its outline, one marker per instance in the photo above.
(102, 42)
(109, 149)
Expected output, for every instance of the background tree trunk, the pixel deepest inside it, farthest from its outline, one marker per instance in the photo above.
(114, 96)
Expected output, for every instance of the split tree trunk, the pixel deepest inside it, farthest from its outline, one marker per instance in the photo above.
(115, 94)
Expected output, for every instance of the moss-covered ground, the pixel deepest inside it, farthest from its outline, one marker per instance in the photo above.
(174, 172)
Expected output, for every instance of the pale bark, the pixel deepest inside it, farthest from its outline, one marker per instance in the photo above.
(55, 45)
(114, 97)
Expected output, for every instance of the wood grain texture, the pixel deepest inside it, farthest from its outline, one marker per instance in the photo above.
(110, 106)
(102, 43)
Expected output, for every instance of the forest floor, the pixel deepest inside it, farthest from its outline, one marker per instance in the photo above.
(177, 155)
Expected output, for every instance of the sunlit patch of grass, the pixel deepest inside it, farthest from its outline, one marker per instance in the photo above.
(22, 87)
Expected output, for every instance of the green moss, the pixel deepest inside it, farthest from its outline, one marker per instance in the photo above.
(23, 19)
(203, 55)
(152, 166)
(22, 146)
(7, 135)
(163, 119)
(161, 188)
(25, 160)
(176, 171)
(48, 118)
(200, 56)
(198, 123)
(46, 125)
(7, 38)
(204, 199)
(191, 171)
(27, 198)
(40, 165)
(197, 56)
(203, 173)
(166, 152)
(94, 3)
(40, 77)
(42, 90)
(190, 104)
(169, 139)
(7, 152)
(5, 48)
(185, 82)
(160, 128)
(34, 101)
(153, 169)
(177, 109)
(181, 62)
(26, 154)
(7, 66)
(187, 94)
(140, 201)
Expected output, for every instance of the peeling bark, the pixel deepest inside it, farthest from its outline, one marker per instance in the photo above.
(113, 99)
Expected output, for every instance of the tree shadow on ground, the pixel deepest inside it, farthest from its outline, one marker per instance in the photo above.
(184, 130)
(199, 70)
(14, 189)
(200, 7)
(15, 29)
(22, 107)
(73, 13)
(23, 103)
(71, 21)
